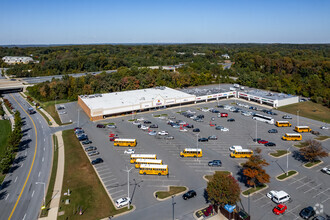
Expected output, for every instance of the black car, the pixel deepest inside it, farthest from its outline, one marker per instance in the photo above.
(220, 106)
(236, 111)
(319, 218)
(100, 126)
(203, 140)
(231, 120)
(287, 117)
(189, 194)
(215, 163)
(97, 160)
(200, 116)
(86, 142)
(270, 144)
(307, 212)
(190, 126)
(147, 122)
(256, 139)
(83, 137)
(272, 130)
(153, 126)
(215, 111)
(196, 130)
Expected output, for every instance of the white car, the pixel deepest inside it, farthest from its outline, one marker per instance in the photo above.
(183, 130)
(326, 170)
(191, 112)
(271, 194)
(325, 127)
(129, 151)
(162, 133)
(204, 110)
(136, 123)
(144, 127)
(122, 202)
(182, 123)
(162, 117)
(235, 147)
(224, 129)
(140, 119)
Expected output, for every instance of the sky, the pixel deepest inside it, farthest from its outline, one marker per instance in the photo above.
(163, 21)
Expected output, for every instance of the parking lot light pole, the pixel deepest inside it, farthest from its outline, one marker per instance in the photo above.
(44, 192)
(197, 144)
(287, 162)
(78, 117)
(128, 170)
(173, 203)
(298, 117)
(256, 130)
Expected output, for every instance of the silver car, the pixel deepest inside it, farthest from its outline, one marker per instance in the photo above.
(93, 153)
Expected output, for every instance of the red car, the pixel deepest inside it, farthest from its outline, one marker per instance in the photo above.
(224, 115)
(262, 142)
(185, 125)
(280, 209)
(112, 138)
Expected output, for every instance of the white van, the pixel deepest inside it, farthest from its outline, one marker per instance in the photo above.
(281, 197)
(235, 147)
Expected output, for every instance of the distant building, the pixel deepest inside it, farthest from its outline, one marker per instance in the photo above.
(226, 56)
(181, 53)
(199, 54)
(16, 60)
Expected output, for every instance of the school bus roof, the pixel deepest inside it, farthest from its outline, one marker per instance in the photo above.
(193, 149)
(148, 161)
(142, 155)
(283, 122)
(125, 139)
(243, 150)
(302, 126)
(292, 134)
(153, 166)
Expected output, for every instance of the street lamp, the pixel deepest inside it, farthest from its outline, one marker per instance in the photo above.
(197, 144)
(256, 130)
(78, 117)
(173, 203)
(298, 117)
(44, 194)
(287, 161)
(128, 170)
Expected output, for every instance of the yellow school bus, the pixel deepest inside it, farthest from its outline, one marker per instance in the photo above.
(241, 153)
(302, 129)
(142, 156)
(283, 124)
(191, 152)
(121, 142)
(153, 169)
(139, 162)
(292, 137)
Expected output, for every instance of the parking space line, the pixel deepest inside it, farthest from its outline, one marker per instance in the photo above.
(103, 178)
(297, 180)
(112, 184)
(304, 184)
(267, 203)
(121, 196)
(313, 188)
(109, 180)
(104, 172)
(112, 189)
(321, 193)
(119, 191)
(326, 199)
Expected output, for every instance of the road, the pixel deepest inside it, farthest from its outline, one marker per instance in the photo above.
(20, 196)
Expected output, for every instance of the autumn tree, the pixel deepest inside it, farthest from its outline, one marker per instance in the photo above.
(313, 150)
(223, 189)
(254, 171)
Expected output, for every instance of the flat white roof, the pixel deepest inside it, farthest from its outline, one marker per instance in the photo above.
(132, 97)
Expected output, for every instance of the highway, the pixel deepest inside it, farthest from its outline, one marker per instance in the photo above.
(20, 196)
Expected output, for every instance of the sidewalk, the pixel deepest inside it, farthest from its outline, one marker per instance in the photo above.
(54, 124)
(9, 115)
(55, 202)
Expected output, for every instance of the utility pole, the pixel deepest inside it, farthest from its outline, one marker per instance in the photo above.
(128, 170)
(256, 130)
(287, 162)
(78, 117)
(173, 203)
(298, 117)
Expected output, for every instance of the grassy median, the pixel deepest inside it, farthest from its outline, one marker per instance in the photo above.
(284, 175)
(310, 164)
(87, 192)
(5, 131)
(309, 110)
(173, 190)
(252, 190)
(279, 153)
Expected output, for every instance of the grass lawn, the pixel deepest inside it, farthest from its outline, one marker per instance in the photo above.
(209, 177)
(322, 138)
(284, 176)
(309, 110)
(87, 191)
(279, 153)
(44, 212)
(310, 164)
(173, 190)
(301, 145)
(252, 190)
(5, 130)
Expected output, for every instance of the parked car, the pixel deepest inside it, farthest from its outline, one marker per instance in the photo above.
(171, 117)
(140, 119)
(100, 126)
(97, 161)
(325, 128)
(122, 202)
(200, 116)
(270, 144)
(220, 106)
(287, 117)
(271, 194)
(129, 151)
(113, 138)
(231, 120)
(224, 115)
(224, 129)
(214, 111)
(147, 122)
(280, 197)
(169, 137)
(162, 133)
(144, 127)
(219, 127)
(196, 130)
(153, 126)
(319, 217)
(199, 120)
(307, 212)
(111, 126)
(86, 142)
(90, 148)
(235, 147)
(77, 128)
(93, 153)
(82, 137)
(183, 130)
(262, 142)
(315, 132)
(189, 194)
(215, 163)
(256, 139)
(152, 133)
(203, 139)
(189, 126)
(280, 209)
(326, 170)
(136, 123)
(212, 137)
(272, 130)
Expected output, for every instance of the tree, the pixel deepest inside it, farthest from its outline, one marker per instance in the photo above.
(254, 171)
(223, 189)
(313, 150)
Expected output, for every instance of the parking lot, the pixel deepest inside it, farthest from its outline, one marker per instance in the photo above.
(309, 188)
